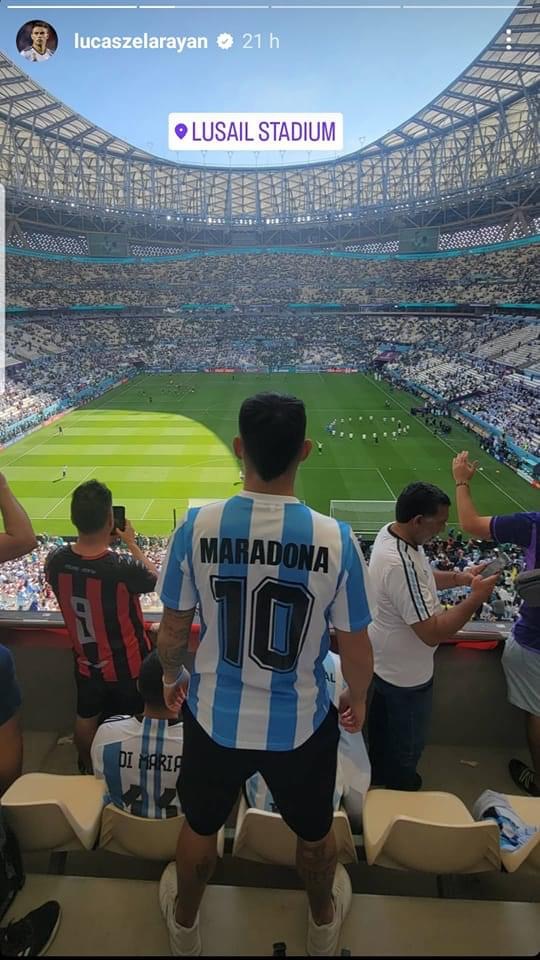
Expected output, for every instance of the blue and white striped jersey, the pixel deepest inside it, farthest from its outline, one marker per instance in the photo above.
(353, 773)
(269, 574)
(140, 763)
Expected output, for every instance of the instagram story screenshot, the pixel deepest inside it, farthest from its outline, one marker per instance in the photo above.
(269, 435)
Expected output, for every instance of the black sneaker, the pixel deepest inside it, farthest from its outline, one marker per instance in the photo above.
(33, 934)
(523, 777)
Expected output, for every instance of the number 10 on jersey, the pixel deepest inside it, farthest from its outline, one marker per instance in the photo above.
(280, 616)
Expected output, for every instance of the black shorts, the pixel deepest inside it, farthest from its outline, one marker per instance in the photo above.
(96, 697)
(301, 781)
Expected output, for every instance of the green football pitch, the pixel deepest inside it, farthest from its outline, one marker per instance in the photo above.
(160, 456)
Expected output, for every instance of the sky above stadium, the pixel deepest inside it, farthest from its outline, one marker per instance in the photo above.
(375, 66)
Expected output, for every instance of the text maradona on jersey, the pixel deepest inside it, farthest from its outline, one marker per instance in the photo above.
(145, 41)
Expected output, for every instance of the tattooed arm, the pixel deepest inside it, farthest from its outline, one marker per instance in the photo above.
(173, 638)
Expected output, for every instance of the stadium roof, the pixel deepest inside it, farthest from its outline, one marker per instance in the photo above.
(483, 128)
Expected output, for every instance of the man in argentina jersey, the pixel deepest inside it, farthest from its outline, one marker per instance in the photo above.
(407, 628)
(353, 769)
(139, 757)
(268, 575)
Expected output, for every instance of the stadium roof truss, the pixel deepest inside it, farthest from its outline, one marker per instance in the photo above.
(481, 132)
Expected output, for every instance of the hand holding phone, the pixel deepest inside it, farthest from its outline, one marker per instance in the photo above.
(495, 566)
(119, 518)
(482, 587)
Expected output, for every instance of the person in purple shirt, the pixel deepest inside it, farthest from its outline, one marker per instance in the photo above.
(521, 658)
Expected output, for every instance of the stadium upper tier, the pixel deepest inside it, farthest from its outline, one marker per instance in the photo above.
(481, 131)
(508, 275)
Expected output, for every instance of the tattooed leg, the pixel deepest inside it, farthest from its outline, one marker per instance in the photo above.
(316, 864)
(195, 862)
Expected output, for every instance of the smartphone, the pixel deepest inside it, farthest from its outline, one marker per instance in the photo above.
(119, 514)
(495, 566)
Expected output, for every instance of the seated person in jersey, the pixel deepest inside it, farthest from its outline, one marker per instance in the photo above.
(139, 757)
(98, 593)
(353, 775)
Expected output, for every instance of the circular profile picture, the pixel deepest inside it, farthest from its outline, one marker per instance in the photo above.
(37, 40)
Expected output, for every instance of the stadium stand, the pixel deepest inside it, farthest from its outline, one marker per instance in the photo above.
(60, 359)
(499, 276)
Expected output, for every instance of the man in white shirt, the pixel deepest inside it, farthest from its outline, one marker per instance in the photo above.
(39, 50)
(408, 625)
(140, 757)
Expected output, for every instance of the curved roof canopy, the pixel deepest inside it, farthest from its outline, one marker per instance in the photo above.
(481, 129)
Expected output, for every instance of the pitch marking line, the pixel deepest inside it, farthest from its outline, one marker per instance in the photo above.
(147, 509)
(53, 435)
(26, 452)
(388, 487)
(68, 494)
(450, 447)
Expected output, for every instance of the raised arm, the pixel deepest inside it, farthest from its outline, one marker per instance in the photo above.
(19, 537)
(128, 535)
(469, 518)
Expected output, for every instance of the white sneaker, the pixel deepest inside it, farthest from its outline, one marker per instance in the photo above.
(322, 940)
(184, 941)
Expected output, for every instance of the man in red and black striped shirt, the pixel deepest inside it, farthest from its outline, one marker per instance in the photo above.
(98, 593)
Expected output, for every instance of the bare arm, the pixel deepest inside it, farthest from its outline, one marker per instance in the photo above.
(19, 537)
(128, 536)
(357, 665)
(356, 661)
(443, 626)
(137, 554)
(447, 579)
(469, 519)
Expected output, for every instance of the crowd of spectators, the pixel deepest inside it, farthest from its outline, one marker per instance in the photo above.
(432, 352)
(34, 388)
(502, 400)
(514, 408)
(449, 377)
(209, 334)
(23, 585)
(495, 277)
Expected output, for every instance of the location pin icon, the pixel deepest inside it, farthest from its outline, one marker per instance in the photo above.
(180, 130)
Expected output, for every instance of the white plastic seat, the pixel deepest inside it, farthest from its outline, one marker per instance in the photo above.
(121, 832)
(427, 831)
(47, 811)
(265, 837)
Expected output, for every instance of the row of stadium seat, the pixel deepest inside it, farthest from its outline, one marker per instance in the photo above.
(431, 832)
